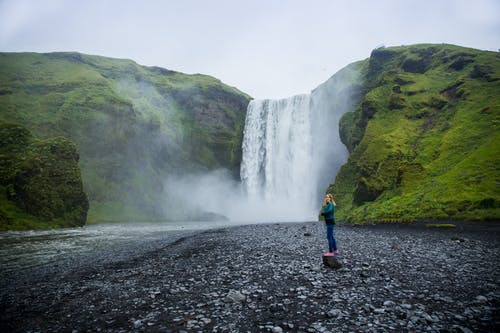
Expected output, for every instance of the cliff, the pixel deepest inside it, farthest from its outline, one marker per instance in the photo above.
(423, 137)
(131, 124)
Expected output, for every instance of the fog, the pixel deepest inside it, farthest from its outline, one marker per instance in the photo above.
(216, 195)
(291, 153)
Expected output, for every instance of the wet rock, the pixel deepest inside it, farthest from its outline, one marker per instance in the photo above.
(332, 262)
(406, 306)
(234, 297)
(334, 313)
(389, 304)
(481, 299)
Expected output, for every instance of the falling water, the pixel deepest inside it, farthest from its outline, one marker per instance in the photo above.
(277, 156)
(292, 150)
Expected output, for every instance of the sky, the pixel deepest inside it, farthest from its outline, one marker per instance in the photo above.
(265, 48)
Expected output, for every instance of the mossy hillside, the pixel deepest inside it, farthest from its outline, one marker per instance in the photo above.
(40, 181)
(423, 137)
(132, 124)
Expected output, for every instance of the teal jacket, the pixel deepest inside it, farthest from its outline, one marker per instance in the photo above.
(328, 212)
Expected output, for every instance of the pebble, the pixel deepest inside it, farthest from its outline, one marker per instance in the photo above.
(334, 313)
(389, 304)
(270, 277)
(481, 299)
(235, 297)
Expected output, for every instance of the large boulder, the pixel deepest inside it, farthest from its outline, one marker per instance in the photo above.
(40, 181)
(332, 262)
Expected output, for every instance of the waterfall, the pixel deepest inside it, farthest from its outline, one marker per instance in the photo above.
(277, 156)
(292, 150)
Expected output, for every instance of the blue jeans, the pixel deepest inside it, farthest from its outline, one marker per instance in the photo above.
(332, 244)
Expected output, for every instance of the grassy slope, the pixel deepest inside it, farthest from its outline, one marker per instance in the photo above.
(132, 124)
(424, 139)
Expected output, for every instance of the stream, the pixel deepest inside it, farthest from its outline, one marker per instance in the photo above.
(22, 250)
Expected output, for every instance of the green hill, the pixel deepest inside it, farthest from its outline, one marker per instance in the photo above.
(423, 138)
(131, 124)
(423, 135)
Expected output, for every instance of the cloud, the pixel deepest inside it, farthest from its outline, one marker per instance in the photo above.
(269, 49)
(18, 15)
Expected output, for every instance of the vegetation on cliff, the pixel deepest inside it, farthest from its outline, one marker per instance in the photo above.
(40, 181)
(131, 124)
(423, 137)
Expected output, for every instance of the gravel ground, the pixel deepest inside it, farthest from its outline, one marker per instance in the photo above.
(271, 278)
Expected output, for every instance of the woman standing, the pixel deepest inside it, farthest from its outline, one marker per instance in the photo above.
(328, 211)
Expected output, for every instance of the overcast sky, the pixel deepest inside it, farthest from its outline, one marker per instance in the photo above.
(266, 48)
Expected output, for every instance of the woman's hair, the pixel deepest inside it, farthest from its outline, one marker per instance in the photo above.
(331, 199)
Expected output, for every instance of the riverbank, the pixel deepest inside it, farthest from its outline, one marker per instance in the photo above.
(271, 278)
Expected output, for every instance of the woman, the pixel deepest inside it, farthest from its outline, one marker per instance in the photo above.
(328, 210)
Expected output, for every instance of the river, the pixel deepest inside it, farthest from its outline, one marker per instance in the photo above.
(22, 250)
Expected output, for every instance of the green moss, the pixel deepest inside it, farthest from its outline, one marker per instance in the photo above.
(40, 181)
(440, 225)
(132, 124)
(429, 147)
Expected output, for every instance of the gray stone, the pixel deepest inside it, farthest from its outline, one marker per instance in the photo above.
(206, 321)
(332, 262)
(481, 299)
(389, 304)
(234, 297)
(334, 313)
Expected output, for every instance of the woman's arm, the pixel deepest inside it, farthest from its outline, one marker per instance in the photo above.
(328, 208)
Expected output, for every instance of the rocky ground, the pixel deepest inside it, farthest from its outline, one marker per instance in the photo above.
(271, 278)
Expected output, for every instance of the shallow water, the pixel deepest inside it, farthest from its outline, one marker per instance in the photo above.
(21, 250)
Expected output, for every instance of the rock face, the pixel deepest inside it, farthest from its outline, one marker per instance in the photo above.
(422, 137)
(40, 181)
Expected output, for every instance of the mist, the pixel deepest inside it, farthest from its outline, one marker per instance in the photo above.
(203, 196)
(291, 152)
(216, 195)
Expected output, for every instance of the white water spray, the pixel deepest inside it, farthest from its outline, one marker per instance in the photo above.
(277, 156)
(291, 153)
(292, 150)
